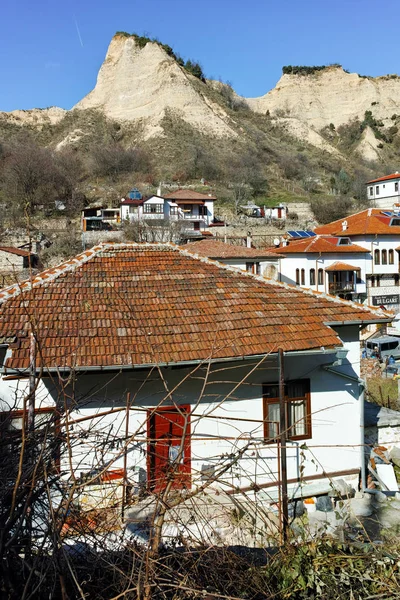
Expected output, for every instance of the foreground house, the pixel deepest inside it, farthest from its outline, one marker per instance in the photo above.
(329, 264)
(151, 360)
(252, 260)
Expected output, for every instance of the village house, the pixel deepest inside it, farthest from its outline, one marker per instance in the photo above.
(252, 260)
(182, 357)
(100, 218)
(194, 209)
(378, 231)
(328, 264)
(384, 192)
(15, 263)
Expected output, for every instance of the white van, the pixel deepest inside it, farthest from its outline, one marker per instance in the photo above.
(387, 346)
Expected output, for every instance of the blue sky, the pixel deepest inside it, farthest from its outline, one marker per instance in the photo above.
(50, 51)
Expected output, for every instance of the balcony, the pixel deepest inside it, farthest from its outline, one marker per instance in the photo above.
(339, 287)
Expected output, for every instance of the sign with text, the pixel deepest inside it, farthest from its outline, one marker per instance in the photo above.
(386, 300)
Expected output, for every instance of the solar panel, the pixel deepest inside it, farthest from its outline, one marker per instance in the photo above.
(301, 234)
(387, 213)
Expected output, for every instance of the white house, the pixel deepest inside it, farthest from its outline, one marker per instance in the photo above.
(195, 209)
(163, 365)
(378, 231)
(384, 192)
(252, 260)
(333, 265)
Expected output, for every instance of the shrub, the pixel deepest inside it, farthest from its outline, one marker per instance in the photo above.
(304, 70)
(330, 209)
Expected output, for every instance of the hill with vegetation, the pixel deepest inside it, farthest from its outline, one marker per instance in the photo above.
(152, 116)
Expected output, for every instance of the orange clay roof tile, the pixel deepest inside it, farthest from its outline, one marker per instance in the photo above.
(182, 194)
(385, 178)
(319, 244)
(371, 221)
(215, 249)
(110, 307)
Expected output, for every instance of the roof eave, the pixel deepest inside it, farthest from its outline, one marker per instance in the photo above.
(359, 322)
(23, 373)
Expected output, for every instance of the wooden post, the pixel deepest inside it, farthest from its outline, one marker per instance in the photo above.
(125, 489)
(283, 440)
(32, 383)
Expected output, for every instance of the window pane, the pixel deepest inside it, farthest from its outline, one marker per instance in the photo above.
(273, 418)
(296, 417)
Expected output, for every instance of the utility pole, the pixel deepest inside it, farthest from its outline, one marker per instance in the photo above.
(283, 441)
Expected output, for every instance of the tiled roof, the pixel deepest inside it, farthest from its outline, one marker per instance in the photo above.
(216, 249)
(188, 195)
(17, 251)
(320, 245)
(393, 176)
(370, 221)
(141, 304)
(131, 201)
(341, 266)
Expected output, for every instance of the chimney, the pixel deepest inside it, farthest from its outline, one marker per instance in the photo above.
(159, 190)
(248, 240)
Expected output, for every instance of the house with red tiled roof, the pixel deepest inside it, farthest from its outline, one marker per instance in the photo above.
(330, 264)
(384, 192)
(163, 365)
(15, 263)
(378, 231)
(253, 260)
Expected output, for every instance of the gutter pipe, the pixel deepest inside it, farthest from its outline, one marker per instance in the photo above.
(184, 363)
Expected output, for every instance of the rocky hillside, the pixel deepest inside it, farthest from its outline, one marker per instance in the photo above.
(309, 101)
(151, 116)
(141, 83)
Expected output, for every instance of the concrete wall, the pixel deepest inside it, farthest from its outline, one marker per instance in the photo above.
(12, 262)
(229, 390)
(268, 268)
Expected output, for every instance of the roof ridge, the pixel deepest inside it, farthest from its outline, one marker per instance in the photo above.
(285, 285)
(53, 273)
(71, 264)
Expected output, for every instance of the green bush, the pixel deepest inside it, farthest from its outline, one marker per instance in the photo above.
(304, 70)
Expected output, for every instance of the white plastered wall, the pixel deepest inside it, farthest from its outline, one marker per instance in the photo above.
(334, 445)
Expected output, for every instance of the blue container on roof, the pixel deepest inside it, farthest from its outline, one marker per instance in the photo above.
(134, 194)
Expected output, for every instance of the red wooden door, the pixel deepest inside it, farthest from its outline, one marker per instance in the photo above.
(168, 453)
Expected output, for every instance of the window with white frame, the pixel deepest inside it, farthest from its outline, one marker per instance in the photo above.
(153, 208)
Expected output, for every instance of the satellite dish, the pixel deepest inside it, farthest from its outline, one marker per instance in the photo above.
(276, 242)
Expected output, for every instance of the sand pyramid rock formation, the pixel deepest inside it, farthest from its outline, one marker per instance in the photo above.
(305, 104)
(331, 96)
(141, 83)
